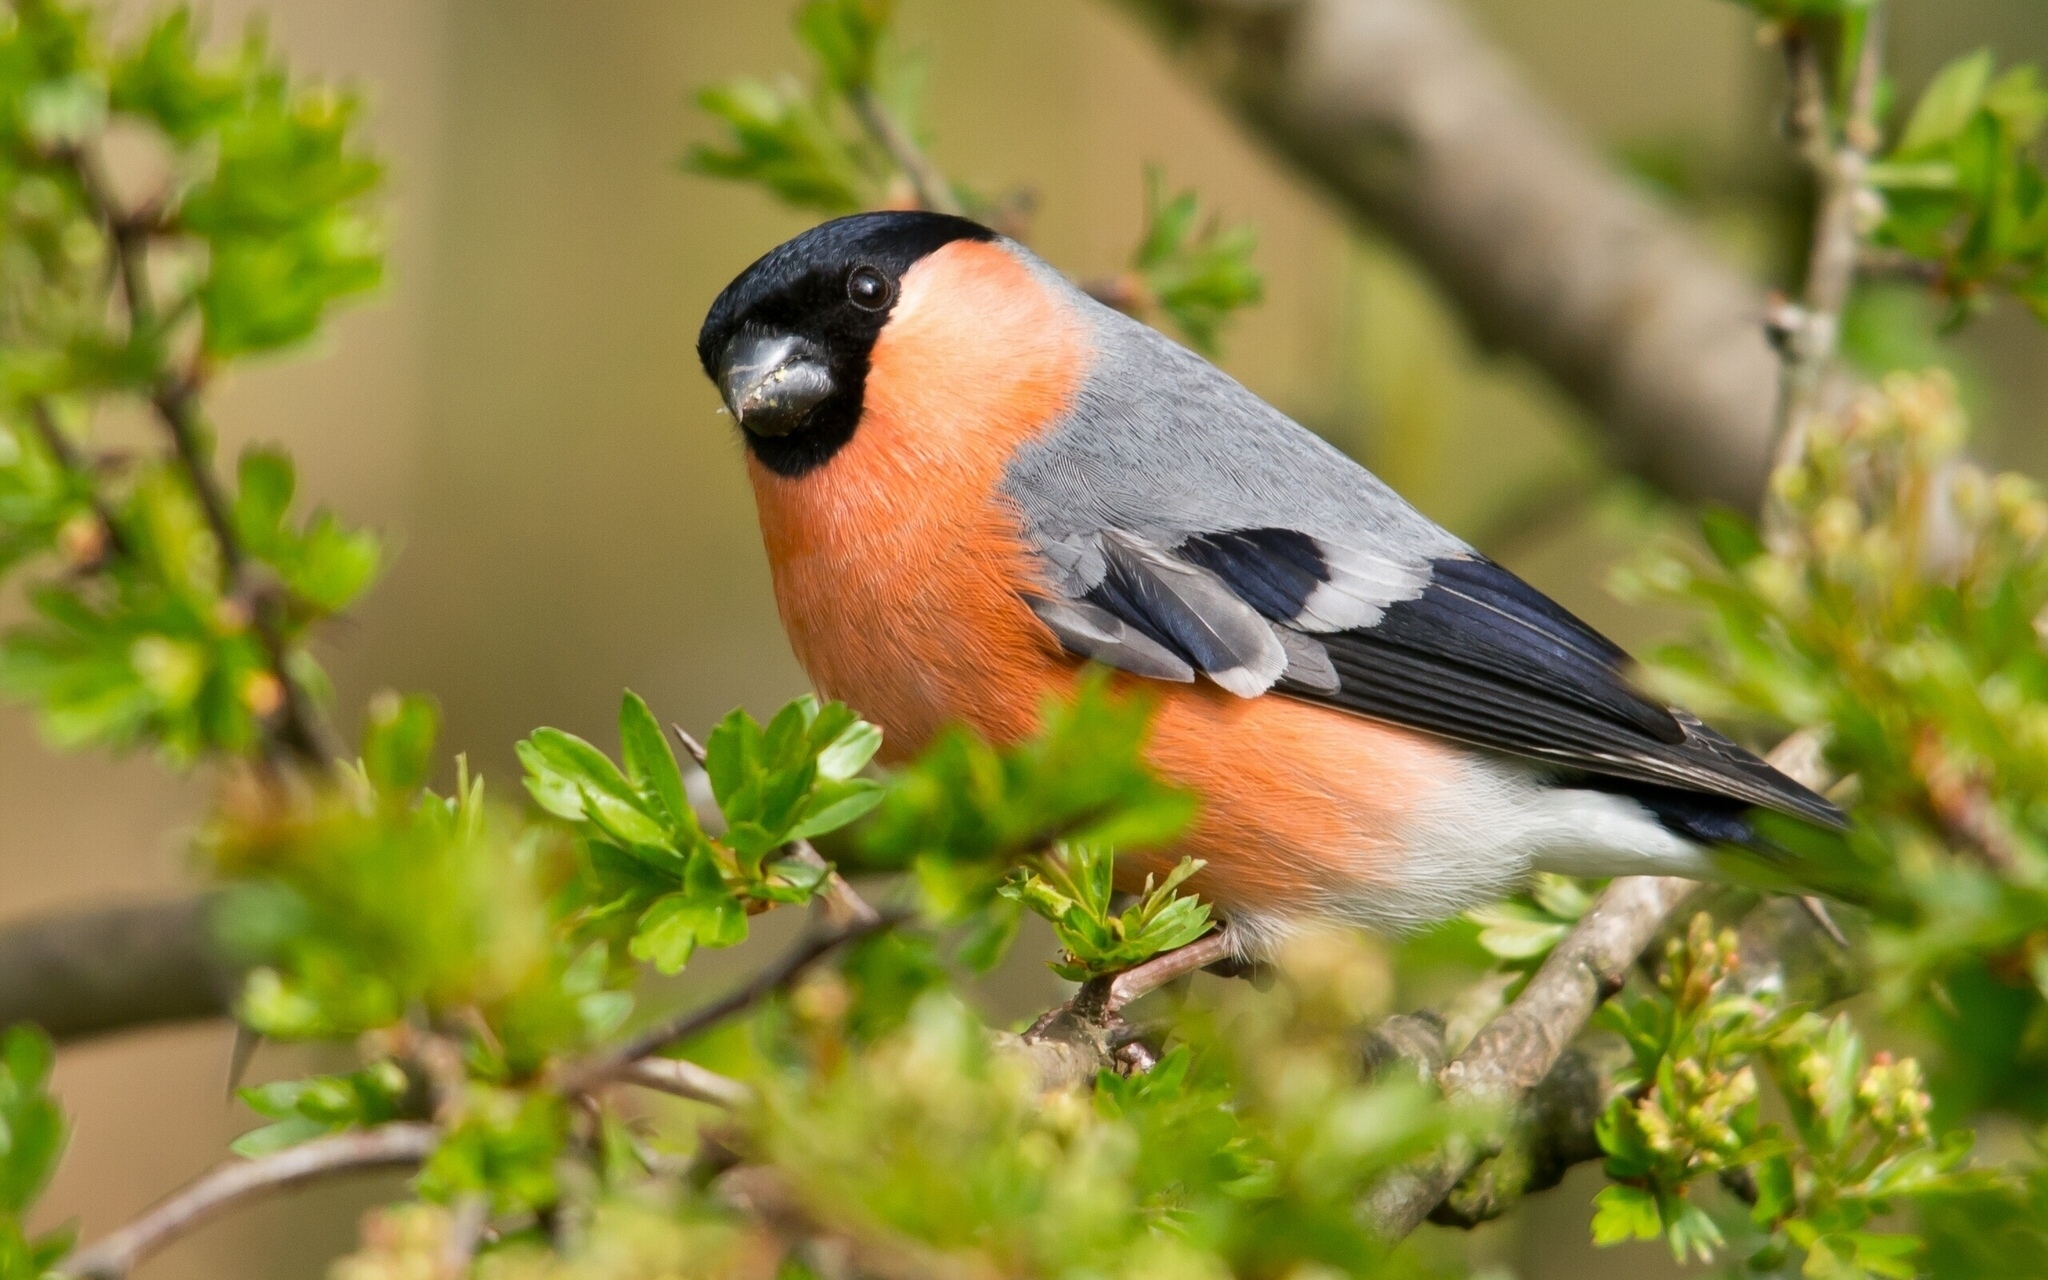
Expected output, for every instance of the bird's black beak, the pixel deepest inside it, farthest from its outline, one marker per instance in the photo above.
(771, 382)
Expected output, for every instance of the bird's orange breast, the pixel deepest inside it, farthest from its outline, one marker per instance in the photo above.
(898, 565)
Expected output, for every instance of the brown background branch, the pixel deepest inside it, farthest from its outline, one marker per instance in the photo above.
(88, 972)
(1397, 109)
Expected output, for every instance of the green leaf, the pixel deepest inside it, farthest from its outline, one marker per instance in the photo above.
(835, 807)
(29, 1056)
(849, 752)
(650, 763)
(1622, 1213)
(504, 1146)
(560, 766)
(1514, 933)
(1948, 102)
(264, 496)
(272, 1138)
(1197, 272)
(702, 913)
(781, 140)
(845, 37)
(1731, 536)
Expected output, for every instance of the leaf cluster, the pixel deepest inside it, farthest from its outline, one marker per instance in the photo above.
(809, 146)
(964, 813)
(167, 612)
(1963, 189)
(1072, 887)
(1193, 269)
(1858, 1144)
(651, 864)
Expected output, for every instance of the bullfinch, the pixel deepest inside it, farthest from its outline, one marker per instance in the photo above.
(973, 478)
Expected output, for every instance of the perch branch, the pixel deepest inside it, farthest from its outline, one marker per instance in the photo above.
(1513, 1053)
(1402, 114)
(387, 1147)
(1524, 1057)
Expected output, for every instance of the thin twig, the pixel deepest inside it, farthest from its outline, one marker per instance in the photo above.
(1141, 980)
(932, 190)
(466, 1222)
(1839, 164)
(612, 1064)
(1125, 292)
(681, 1078)
(388, 1146)
(45, 420)
(298, 727)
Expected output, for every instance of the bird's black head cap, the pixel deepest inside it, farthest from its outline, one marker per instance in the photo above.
(788, 341)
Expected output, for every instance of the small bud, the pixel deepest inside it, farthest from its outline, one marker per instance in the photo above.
(82, 540)
(232, 616)
(263, 694)
(822, 999)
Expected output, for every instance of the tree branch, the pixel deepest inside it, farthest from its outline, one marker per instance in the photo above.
(1401, 113)
(85, 973)
(1521, 1058)
(386, 1147)
(1513, 1054)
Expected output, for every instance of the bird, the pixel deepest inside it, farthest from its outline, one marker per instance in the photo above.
(974, 480)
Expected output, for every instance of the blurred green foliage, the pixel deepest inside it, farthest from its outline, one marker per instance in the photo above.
(32, 1133)
(1857, 1148)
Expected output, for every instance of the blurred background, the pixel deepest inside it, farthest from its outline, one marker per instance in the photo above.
(520, 410)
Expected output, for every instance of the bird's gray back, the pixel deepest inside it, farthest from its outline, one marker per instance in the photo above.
(1164, 444)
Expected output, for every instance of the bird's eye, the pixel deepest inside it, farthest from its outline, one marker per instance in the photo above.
(869, 289)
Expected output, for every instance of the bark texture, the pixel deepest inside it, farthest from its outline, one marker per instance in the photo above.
(1402, 113)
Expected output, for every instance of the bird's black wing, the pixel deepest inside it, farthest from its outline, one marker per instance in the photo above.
(1475, 654)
